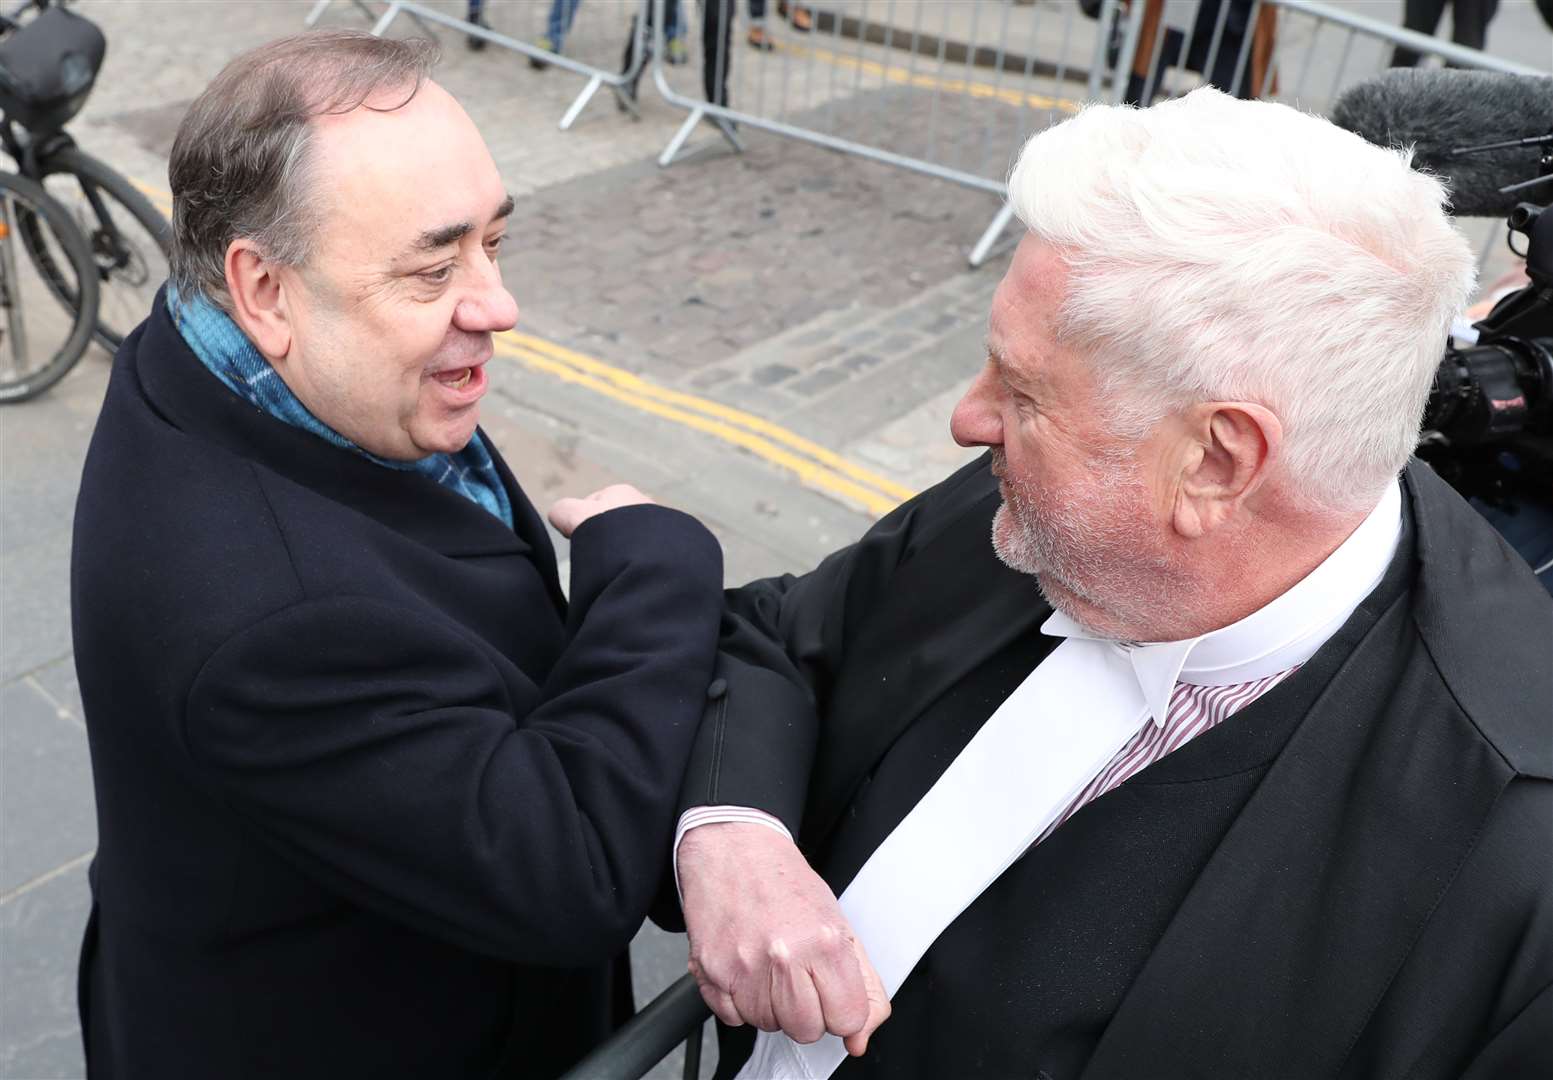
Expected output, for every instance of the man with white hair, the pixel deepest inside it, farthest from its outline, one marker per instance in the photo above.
(1232, 754)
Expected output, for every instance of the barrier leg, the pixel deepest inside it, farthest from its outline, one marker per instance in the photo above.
(317, 13)
(381, 26)
(666, 158)
(581, 102)
(727, 130)
(692, 1070)
(983, 246)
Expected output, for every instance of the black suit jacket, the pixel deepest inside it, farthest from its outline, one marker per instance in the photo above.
(1352, 878)
(373, 798)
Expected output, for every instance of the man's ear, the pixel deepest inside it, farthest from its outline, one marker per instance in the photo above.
(259, 300)
(1234, 447)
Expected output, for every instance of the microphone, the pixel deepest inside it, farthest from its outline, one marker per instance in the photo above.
(1438, 112)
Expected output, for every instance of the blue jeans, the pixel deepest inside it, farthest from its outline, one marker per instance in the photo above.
(562, 12)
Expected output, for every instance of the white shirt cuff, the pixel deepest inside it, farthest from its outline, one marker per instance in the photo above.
(717, 815)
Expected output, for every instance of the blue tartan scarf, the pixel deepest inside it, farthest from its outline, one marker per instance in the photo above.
(232, 358)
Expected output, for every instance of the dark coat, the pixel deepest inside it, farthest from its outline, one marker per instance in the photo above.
(1353, 877)
(373, 798)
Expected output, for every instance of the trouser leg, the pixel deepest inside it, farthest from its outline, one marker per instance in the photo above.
(716, 29)
(1422, 16)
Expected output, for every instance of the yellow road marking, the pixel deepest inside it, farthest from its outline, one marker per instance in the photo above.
(162, 200)
(809, 471)
(812, 463)
(908, 77)
(739, 418)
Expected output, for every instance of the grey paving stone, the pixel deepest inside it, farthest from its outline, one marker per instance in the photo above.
(710, 377)
(891, 389)
(772, 374)
(47, 814)
(900, 342)
(35, 581)
(59, 684)
(816, 383)
(40, 939)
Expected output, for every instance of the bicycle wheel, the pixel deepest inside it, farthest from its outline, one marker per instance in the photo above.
(130, 241)
(41, 340)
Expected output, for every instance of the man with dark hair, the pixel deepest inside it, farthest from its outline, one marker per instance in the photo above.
(374, 797)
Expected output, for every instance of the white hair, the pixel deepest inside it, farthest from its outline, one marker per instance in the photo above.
(1220, 249)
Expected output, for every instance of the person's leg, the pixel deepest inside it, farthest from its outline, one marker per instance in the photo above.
(562, 12)
(674, 33)
(1422, 16)
(1469, 21)
(475, 16)
(716, 28)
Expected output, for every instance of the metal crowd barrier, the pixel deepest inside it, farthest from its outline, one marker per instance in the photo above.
(627, 22)
(677, 1013)
(947, 88)
(952, 88)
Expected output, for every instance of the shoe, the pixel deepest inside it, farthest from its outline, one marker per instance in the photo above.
(677, 52)
(801, 18)
(542, 42)
(760, 40)
(475, 44)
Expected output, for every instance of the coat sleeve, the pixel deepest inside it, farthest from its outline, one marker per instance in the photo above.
(383, 753)
(1523, 1047)
(783, 641)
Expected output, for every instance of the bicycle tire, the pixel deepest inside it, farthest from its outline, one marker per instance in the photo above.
(129, 278)
(28, 197)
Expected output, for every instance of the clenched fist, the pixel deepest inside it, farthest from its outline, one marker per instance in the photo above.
(768, 944)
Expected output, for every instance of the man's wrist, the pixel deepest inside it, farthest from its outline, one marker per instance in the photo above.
(697, 816)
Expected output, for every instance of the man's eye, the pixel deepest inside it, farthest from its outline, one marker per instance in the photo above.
(493, 245)
(440, 276)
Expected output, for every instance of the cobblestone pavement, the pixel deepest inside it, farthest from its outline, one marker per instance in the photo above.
(825, 294)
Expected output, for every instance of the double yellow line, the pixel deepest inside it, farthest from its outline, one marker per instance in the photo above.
(813, 464)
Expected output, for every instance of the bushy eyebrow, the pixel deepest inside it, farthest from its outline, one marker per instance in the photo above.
(432, 239)
(1022, 381)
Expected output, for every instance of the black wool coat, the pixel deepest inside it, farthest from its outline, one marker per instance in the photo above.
(374, 799)
(1352, 877)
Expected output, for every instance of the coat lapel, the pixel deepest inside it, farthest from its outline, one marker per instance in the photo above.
(949, 608)
(1289, 938)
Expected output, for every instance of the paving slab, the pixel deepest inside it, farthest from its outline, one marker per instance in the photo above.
(40, 942)
(43, 756)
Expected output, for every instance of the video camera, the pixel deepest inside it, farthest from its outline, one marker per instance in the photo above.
(1488, 427)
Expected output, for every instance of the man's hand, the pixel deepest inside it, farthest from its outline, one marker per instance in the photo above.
(567, 514)
(768, 944)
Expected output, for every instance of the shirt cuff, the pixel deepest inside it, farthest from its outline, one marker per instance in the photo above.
(717, 815)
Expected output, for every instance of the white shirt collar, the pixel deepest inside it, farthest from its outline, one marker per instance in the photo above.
(1281, 634)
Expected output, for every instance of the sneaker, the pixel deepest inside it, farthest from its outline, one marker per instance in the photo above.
(759, 40)
(678, 53)
(539, 63)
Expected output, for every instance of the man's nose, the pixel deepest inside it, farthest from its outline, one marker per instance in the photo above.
(488, 307)
(976, 420)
